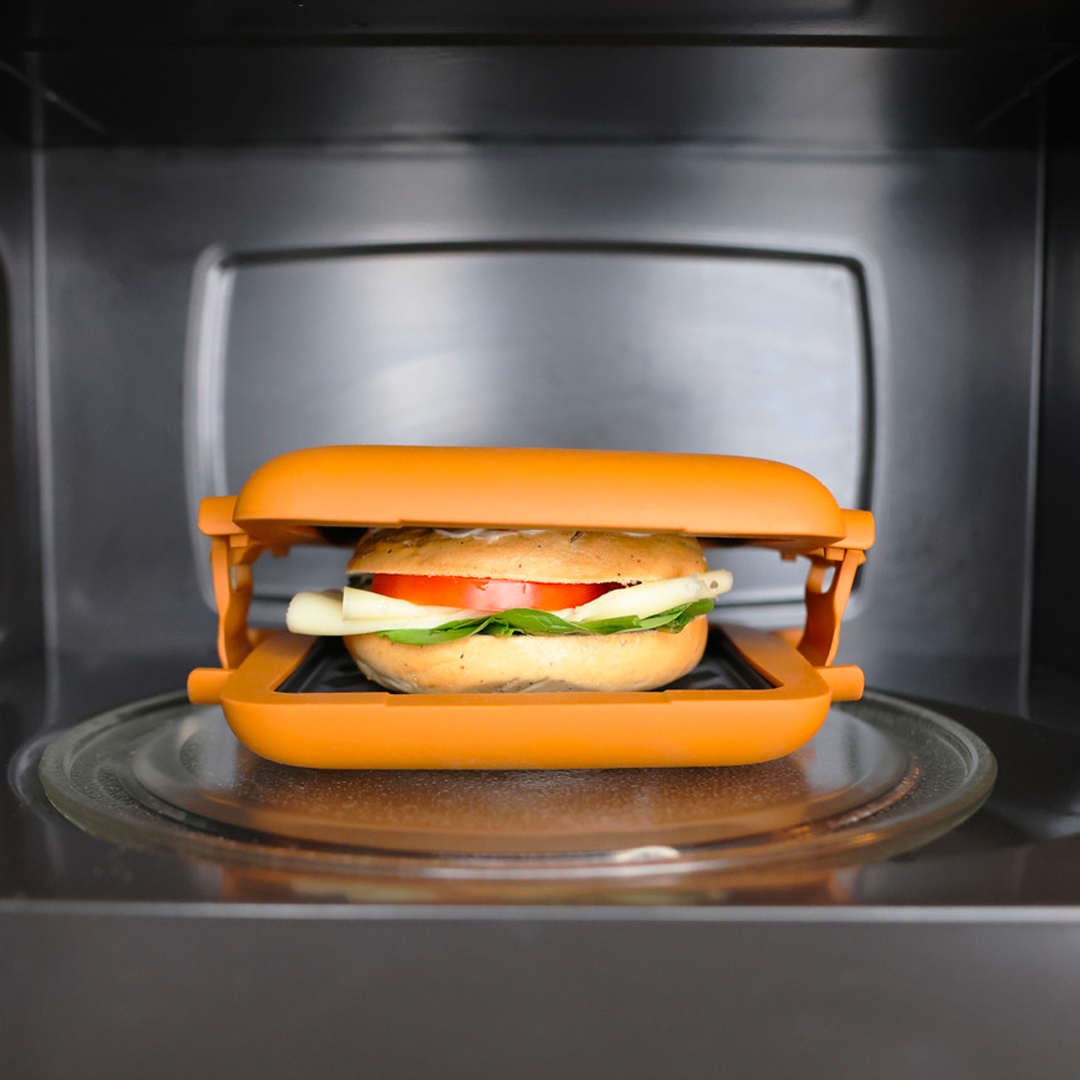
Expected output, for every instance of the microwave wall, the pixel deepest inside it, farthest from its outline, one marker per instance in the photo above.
(853, 255)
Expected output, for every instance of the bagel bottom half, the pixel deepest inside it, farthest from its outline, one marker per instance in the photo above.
(638, 660)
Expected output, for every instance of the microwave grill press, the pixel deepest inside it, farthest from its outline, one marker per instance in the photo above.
(304, 496)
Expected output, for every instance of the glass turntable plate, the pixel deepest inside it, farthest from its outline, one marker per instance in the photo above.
(882, 776)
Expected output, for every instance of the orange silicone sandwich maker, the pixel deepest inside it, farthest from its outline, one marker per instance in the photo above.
(756, 695)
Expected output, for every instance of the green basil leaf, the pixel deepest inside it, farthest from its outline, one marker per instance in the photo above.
(529, 621)
(687, 615)
(613, 626)
(451, 631)
(675, 619)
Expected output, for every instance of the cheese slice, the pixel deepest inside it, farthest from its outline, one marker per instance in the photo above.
(651, 597)
(320, 614)
(362, 604)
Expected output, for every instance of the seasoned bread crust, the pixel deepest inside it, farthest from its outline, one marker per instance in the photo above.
(637, 660)
(552, 555)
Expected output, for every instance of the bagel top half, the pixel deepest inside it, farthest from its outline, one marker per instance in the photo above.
(542, 555)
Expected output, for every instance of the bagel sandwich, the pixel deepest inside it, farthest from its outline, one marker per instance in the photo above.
(504, 610)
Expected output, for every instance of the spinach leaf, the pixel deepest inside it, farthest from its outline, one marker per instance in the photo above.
(672, 620)
(529, 621)
(449, 632)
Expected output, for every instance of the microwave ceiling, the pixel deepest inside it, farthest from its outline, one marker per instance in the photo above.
(817, 96)
(850, 75)
(45, 24)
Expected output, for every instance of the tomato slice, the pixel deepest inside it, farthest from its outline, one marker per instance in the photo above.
(487, 594)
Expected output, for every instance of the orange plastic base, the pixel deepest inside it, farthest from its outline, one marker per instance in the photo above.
(527, 731)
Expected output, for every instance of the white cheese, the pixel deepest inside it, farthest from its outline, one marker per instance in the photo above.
(362, 604)
(651, 597)
(320, 614)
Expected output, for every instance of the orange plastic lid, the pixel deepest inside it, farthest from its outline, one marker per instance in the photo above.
(697, 494)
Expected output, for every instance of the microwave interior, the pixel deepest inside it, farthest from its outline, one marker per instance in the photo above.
(840, 234)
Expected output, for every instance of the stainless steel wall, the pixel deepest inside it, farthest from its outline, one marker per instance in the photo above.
(1056, 641)
(20, 592)
(945, 239)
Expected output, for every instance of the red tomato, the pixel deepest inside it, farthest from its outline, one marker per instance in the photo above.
(486, 594)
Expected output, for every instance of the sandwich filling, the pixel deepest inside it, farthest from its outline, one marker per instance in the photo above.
(424, 586)
(651, 605)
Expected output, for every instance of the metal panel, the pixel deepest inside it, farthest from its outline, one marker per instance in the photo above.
(755, 94)
(20, 595)
(1057, 585)
(529, 995)
(42, 23)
